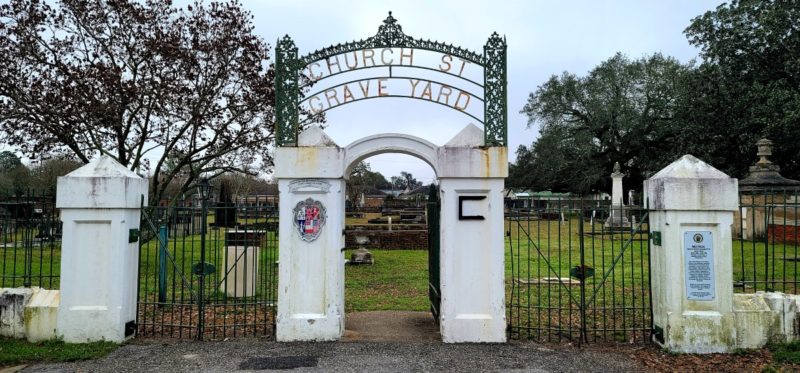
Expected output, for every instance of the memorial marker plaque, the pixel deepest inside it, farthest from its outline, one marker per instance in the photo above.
(698, 256)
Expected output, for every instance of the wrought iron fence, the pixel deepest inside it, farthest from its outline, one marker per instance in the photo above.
(30, 241)
(434, 276)
(766, 241)
(208, 272)
(578, 271)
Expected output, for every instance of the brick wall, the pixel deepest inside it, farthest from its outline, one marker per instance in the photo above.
(394, 240)
(788, 234)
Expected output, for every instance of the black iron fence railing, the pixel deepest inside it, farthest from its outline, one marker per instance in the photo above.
(766, 233)
(30, 241)
(578, 271)
(208, 272)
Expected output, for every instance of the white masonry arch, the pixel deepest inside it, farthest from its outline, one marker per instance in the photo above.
(390, 143)
(471, 248)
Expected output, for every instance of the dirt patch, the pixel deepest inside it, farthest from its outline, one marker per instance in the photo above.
(653, 359)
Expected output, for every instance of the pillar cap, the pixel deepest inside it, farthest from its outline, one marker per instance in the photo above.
(103, 166)
(691, 184)
(101, 183)
(690, 167)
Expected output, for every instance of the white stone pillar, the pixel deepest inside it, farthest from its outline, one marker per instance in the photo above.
(100, 206)
(311, 264)
(472, 259)
(691, 212)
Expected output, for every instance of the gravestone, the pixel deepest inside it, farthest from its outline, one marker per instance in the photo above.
(616, 218)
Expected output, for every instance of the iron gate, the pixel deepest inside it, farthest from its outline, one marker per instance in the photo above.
(208, 272)
(434, 290)
(579, 272)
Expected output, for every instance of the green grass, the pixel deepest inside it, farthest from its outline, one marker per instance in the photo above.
(768, 262)
(185, 251)
(616, 296)
(46, 260)
(397, 281)
(785, 352)
(15, 351)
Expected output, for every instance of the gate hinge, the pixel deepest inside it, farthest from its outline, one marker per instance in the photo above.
(133, 235)
(130, 328)
(656, 235)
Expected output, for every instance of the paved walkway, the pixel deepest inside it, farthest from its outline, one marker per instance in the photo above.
(374, 342)
(258, 355)
(391, 326)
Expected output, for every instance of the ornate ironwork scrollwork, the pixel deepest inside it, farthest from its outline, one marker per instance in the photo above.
(390, 35)
(495, 103)
(286, 92)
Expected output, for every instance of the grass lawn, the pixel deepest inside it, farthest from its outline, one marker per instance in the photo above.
(15, 351)
(785, 352)
(45, 265)
(183, 252)
(397, 281)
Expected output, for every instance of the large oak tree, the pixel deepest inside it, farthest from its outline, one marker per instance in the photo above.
(622, 111)
(142, 81)
(748, 85)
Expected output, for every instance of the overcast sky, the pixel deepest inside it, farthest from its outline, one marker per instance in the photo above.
(544, 38)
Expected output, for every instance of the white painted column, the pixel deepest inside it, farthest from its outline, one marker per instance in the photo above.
(311, 271)
(100, 205)
(691, 213)
(472, 260)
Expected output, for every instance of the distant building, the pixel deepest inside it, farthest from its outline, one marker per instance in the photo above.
(526, 198)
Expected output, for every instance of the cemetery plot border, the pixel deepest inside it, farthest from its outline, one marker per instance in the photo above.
(574, 277)
(208, 272)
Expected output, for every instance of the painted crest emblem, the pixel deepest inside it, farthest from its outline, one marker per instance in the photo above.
(309, 217)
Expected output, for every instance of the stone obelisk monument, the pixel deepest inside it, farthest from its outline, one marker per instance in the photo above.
(616, 218)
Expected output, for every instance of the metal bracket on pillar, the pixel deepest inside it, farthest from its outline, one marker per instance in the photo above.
(133, 235)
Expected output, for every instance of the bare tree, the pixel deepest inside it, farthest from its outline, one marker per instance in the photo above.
(190, 89)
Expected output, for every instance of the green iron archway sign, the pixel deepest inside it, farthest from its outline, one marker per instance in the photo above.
(295, 74)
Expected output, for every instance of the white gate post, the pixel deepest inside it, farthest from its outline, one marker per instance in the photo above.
(311, 271)
(100, 207)
(472, 243)
(691, 212)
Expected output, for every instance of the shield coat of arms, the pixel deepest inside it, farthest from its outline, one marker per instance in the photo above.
(309, 217)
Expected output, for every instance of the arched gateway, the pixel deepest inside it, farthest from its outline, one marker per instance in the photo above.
(311, 171)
